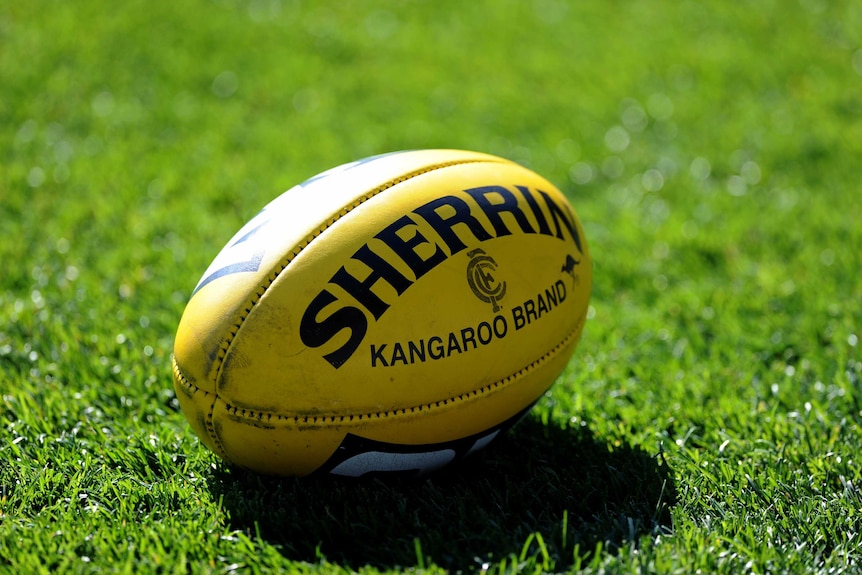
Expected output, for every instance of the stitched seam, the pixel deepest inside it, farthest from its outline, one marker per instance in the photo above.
(318, 420)
(180, 377)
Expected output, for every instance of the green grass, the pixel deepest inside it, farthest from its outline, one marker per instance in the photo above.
(710, 418)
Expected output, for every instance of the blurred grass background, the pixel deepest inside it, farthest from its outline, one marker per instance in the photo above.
(708, 420)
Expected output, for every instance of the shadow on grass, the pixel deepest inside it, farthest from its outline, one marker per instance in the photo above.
(560, 483)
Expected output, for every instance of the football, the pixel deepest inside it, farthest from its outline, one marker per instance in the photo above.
(390, 315)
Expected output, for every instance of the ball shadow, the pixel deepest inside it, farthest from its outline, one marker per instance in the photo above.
(558, 482)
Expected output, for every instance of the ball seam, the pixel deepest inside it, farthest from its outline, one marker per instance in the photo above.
(318, 420)
(180, 377)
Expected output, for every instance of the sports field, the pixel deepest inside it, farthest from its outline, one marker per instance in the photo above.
(710, 418)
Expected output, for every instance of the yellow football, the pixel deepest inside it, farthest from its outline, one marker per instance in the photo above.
(393, 314)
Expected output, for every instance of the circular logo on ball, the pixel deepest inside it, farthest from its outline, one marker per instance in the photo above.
(481, 275)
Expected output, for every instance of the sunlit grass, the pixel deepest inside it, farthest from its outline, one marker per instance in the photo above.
(709, 419)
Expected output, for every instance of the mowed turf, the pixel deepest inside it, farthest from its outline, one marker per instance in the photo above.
(709, 419)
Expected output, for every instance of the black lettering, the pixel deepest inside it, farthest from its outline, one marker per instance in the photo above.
(542, 307)
(454, 346)
(530, 310)
(552, 297)
(500, 326)
(468, 335)
(416, 352)
(377, 355)
(518, 317)
(558, 214)
(437, 351)
(561, 290)
(537, 211)
(361, 289)
(444, 225)
(448, 216)
(398, 354)
(314, 333)
(406, 248)
(493, 210)
(486, 338)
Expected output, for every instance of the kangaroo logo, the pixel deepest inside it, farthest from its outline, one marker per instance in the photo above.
(569, 267)
(480, 277)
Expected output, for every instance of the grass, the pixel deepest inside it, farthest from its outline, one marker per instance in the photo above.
(709, 419)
